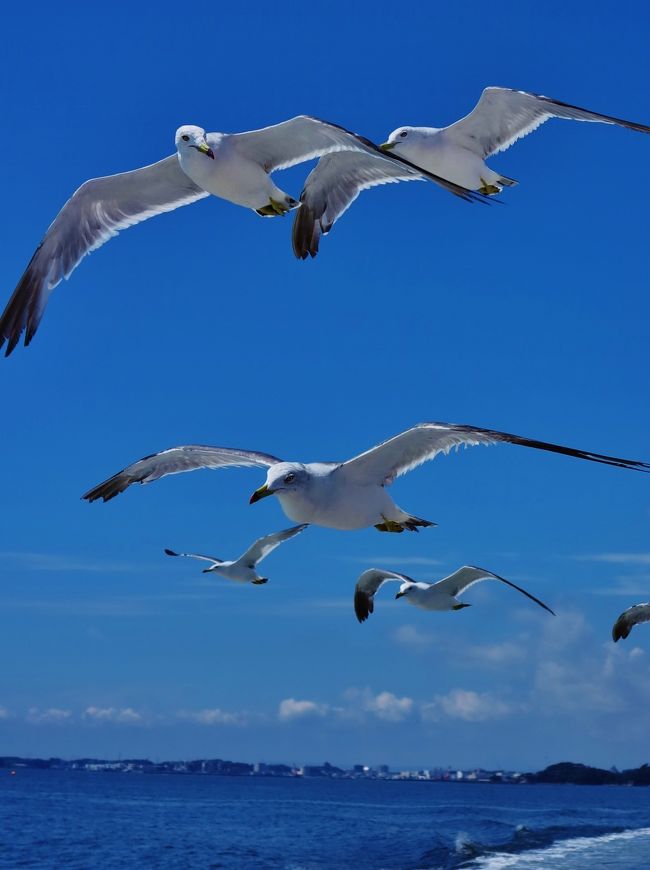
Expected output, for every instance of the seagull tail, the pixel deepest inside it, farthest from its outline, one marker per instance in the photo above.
(507, 182)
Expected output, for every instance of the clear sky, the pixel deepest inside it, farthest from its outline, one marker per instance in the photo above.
(200, 326)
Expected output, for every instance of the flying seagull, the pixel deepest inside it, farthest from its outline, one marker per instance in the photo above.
(427, 596)
(339, 495)
(457, 153)
(629, 618)
(331, 188)
(232, 166)
(242, 570)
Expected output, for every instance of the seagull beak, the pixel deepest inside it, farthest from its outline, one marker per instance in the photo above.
(387, 146)
(399, 595)
(204, 148)
(260, 493)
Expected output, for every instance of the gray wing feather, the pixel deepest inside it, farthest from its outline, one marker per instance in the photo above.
(297, 140)
(263, 546)
(503, 115)
(468, 575)
(368, 585)
(174, 461)
(404, 452)
(211, 559)
(331, 188)
(629, 618)
(95, 213)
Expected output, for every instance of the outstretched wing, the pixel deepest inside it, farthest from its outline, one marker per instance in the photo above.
(263, 546)
(382, 464)
(367, 585)
(467, 576)
(210, 559)
(503, 115)
(96, 212)
(174, 461)
(305, 137)
(331, 188)
(629, 618)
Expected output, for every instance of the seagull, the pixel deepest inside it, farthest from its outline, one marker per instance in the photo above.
(232, 166)
(339, 495)
(501, 116)
(427, 596)
(242, 570)
(331, 188)
(629, 618)
(457, 153)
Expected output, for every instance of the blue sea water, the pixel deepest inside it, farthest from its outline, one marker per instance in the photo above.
(53, 819)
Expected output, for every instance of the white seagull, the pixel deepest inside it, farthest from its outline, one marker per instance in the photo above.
(232, 166)
(457, 153)
(629, 618)
(339, 495)
(427, 596)
(242, 570)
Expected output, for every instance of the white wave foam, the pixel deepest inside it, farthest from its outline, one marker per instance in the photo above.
(560, 854)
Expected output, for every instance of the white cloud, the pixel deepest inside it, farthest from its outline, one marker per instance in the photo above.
(387, 706)
(465, 704)
(214, 716)
(410, 636)
(124, 715)
(290, 708)
(52, 715)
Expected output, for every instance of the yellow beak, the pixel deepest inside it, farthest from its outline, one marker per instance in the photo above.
(387, 146)
(204, 148)
(260, 493)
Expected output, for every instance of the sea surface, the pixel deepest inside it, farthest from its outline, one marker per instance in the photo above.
(57, 819)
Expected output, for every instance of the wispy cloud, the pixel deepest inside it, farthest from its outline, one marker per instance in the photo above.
(617, 558)
(411, 637)
(63, 562)
(122, 716)
(626, 584)
(291, 708)
(393, 561)
(51, 715)
(213, 716)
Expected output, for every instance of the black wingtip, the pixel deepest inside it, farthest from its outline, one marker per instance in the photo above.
(362, 605)
(170, 552)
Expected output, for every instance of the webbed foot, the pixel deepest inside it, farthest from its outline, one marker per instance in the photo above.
(488, 189)
(274, 208)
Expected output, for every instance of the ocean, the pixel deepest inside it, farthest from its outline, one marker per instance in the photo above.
(69, 819)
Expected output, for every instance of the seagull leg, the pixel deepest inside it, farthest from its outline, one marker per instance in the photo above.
(411, 523)
(389, 526)
(275, 207)
(260, 581)
(488, 189)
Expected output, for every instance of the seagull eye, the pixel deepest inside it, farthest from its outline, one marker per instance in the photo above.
(185, 138)
(290, 478)
(403, 133)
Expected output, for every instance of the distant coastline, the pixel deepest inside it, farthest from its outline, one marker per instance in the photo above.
(565, 772)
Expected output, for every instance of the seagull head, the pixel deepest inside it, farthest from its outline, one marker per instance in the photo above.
(404, 589)
(282, 477)
(190, 136)
(401, 139)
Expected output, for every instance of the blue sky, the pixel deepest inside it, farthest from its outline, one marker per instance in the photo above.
(200, 326)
